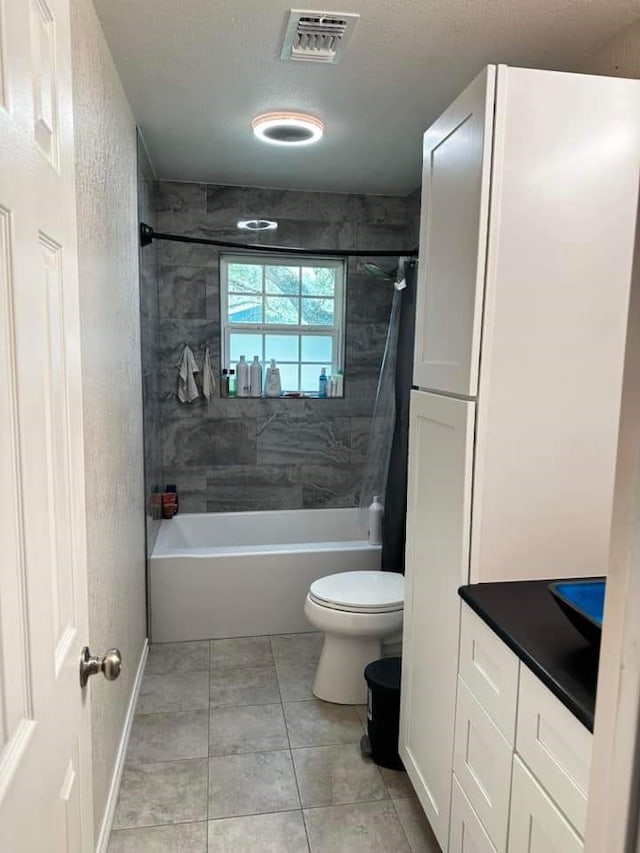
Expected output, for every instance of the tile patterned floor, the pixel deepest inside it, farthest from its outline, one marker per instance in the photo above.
(231, 753)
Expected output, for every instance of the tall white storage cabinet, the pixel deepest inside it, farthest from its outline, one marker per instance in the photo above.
(529, 202)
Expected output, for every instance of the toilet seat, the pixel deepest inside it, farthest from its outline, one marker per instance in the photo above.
(360, 592)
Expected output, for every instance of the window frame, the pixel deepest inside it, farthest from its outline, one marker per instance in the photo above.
(337, 331)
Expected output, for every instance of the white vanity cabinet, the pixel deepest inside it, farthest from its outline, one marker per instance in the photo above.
(527, 236)
(527, 794)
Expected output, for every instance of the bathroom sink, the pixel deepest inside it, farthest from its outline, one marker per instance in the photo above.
(583, 604)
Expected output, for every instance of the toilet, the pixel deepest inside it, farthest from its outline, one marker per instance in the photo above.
(356, 611)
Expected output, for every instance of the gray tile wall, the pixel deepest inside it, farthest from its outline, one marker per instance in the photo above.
(241, 454)
(413, 217)
(149, 318)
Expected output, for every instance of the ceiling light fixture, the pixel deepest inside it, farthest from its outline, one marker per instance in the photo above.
(257, 225)
(288, 128)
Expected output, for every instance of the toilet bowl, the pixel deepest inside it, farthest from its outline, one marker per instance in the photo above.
(356, 611)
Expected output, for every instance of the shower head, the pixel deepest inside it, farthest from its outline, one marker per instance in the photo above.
(377, 272)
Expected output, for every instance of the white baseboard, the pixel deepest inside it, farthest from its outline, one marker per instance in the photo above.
(114, 789)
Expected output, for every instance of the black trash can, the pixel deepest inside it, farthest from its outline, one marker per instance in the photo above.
(383, 712)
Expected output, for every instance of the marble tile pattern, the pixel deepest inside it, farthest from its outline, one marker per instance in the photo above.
(239, 455)
(264, 766)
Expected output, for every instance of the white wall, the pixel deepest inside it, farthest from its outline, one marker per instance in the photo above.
(610, 791)
(619, 57)
(105, 138)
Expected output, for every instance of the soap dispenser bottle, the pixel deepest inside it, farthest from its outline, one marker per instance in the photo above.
(322, 383)
(376, 513)
(242, 377)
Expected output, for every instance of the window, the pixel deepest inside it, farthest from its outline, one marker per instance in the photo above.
(289, 309)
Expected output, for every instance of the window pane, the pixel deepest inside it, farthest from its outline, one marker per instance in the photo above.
(281, 347)
(317, 348)
(260, 294)
(244, 343)
(245, 309)
(245, 278)
(281, 309)
(311, 376)
(289, 377)
(317, 312)
(318, 281)
(285, 280)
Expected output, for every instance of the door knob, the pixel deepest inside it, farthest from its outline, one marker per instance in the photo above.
(110, 665)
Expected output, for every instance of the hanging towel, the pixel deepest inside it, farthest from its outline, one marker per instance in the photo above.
(208, 380)
(187, 388)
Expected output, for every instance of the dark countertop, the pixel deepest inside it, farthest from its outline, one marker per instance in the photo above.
(525, 616)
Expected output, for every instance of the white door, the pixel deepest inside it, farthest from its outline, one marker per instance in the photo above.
(45, 786)
(453, 241)
(437, 563)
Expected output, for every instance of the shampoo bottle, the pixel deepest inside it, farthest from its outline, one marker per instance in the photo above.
(376, 512)
(242, 378)
(273, 385)
(255, 377)
(322, 383)
(232, 383)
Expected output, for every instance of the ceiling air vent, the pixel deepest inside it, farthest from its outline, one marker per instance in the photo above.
(317, 36)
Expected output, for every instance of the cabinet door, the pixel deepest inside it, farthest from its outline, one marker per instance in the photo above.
(453, 241)
(438, 522)
(490, 669)
(467, 833)
(553, 335)
(536, 825)
(482, 763)
(556, 746)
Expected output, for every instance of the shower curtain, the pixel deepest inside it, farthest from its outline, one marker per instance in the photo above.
(386, 468)
(395, 500)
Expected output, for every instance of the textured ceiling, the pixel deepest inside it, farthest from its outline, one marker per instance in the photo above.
(197, 71)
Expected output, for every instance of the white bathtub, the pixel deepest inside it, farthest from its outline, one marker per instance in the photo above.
(242, 574)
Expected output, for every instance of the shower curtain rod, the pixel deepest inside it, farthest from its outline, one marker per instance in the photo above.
(148, 235)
